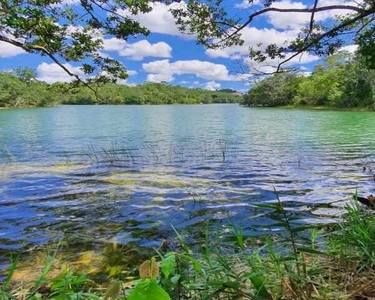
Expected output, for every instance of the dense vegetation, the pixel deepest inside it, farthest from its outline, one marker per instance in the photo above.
(22, 90)
(341, 82)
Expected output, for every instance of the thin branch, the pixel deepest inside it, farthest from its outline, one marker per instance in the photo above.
(259, 72)
(312, 18)
(364, 25)
(90, 12)
(110, 10)
(320, 38)
(292, 10)
(327, 33)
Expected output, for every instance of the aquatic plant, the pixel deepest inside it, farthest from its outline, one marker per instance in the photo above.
(112, 153)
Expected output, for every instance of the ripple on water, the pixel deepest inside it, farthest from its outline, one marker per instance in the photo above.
(176, 174)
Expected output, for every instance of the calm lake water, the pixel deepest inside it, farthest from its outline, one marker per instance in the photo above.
(124, 174)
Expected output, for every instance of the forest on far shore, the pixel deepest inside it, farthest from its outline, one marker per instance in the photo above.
(341, 81)
(21, 89)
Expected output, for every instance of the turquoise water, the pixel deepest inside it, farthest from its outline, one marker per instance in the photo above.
(124, 174)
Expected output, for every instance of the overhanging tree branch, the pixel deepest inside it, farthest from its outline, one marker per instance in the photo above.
(291, 10)
(327, 34)
(30, 48)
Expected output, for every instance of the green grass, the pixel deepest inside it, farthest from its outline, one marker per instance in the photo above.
(292, 265)
(355, 237)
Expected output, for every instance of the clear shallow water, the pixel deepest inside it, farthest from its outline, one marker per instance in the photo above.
(101, 174)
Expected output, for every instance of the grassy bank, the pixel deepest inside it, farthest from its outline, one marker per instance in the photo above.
(299, 262)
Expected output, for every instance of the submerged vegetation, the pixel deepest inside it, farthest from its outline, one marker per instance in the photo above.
(340, 82)
(299, 262)
(23, 90)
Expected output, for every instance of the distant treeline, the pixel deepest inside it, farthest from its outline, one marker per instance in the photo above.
(341, 81)
(21, 89)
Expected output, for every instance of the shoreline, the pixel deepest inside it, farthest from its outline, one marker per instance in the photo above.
(290, 107)
(109, 104)
(321, 108)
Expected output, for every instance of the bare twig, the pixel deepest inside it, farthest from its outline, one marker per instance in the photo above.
(312, 18)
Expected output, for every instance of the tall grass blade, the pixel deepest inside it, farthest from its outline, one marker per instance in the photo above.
(12, 268)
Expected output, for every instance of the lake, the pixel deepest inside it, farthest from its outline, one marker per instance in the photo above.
(124, 175)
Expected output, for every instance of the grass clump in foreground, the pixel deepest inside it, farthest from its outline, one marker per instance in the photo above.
(336, 262)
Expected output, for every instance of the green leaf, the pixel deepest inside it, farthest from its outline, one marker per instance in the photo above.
(168, 264)
(175, 278)
(196, 264)
(258, 282)
(148, 289)
(232, 284)
(310, 250)
(259, 285)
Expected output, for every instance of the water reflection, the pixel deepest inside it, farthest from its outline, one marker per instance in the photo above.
(123, 175)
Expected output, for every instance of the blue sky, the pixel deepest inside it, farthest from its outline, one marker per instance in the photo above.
(170, 56)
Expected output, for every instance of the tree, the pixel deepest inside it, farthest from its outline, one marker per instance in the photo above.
(18, 92)
(215, 28)
(341, 81)
(277, 90)
(25, 74)
(54, 29)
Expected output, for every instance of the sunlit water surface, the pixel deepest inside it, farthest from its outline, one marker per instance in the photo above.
(125, 174)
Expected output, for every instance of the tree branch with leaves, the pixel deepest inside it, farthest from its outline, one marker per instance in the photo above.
(215, 29)
(69, 32)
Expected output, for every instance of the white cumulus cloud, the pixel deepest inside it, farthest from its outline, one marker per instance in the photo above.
(113, 44)
(212, 85)
(142, 49)
(160, 19)
(288, 20)
(202, 69)
(246, 4)
(131, 72)
(350, 48)
(9, 50)
(297, 20)
(138, 50)
(54, 73)
(252, 37)
(160, 77)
